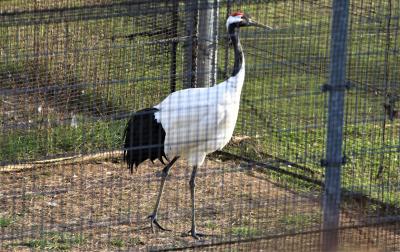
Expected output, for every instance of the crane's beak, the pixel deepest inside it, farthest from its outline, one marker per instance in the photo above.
(254, 23)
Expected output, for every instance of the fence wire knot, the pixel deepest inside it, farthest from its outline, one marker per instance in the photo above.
(329, 87)
(325, 163)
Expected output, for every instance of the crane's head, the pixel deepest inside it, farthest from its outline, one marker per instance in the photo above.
(239, 19)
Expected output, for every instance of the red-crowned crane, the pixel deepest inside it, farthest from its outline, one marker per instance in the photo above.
(189, 123)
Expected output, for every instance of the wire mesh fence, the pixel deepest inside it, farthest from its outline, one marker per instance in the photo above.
(73, 72)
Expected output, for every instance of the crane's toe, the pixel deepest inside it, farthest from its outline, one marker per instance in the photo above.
(196, 235)
(154, 222)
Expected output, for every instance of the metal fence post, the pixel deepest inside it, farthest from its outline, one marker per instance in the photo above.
(215, 43)
(190, 45)
(174, 45)
(334, 158)
(206, 53)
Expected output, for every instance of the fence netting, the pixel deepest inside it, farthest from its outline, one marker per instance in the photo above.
(72, 73)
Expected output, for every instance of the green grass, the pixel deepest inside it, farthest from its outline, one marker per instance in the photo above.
(299, 221)
(5, 222)
(210, 224)
(244, 231)
(86, 138)
(117, 242)
(55, 242)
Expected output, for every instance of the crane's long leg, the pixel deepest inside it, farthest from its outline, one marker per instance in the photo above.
(192, 184)
(153, 216)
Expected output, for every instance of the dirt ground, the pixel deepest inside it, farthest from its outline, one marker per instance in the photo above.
(99, 205)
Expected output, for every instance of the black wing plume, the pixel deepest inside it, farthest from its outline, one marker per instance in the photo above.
(144, 138)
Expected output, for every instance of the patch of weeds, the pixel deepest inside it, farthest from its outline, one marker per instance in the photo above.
(117, 242)
(135, 241)
(299, 220)
(55, 241)
(40, 243)
(5, 222)
(211, 225)
(245, 231)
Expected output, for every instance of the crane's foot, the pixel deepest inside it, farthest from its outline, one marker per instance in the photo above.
(196, 235)
(154, 222)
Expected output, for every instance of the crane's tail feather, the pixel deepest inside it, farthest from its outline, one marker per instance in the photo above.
(144, 139)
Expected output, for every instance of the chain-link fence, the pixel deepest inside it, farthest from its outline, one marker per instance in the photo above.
(318, 125)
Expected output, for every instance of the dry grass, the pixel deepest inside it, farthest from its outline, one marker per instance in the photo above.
(98, 205)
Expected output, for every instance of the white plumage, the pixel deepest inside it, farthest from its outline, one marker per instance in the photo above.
(199, 121)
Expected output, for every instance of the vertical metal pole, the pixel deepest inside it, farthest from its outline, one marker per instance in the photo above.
(227, 49)
(215, 43)
(333, 162)
(174, 45)
(190, 45)
(206, 39)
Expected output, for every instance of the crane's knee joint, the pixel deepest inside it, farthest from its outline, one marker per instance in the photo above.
(164, 173)
(192, 182)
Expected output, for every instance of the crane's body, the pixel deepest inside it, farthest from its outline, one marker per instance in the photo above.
(199, 121)
(189, 123)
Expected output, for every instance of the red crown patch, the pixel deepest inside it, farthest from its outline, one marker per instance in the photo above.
(238, 13)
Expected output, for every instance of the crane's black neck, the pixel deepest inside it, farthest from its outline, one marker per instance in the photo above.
(233, 31)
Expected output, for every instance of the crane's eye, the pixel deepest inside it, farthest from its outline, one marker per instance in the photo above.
(244, 21)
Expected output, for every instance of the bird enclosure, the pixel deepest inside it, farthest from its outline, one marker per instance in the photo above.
(313, 163)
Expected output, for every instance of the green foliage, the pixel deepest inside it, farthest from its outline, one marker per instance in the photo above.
(5, 222)
(117, 242)
(56, 241)
(245, 231)
(210, 224)
(299, 221)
